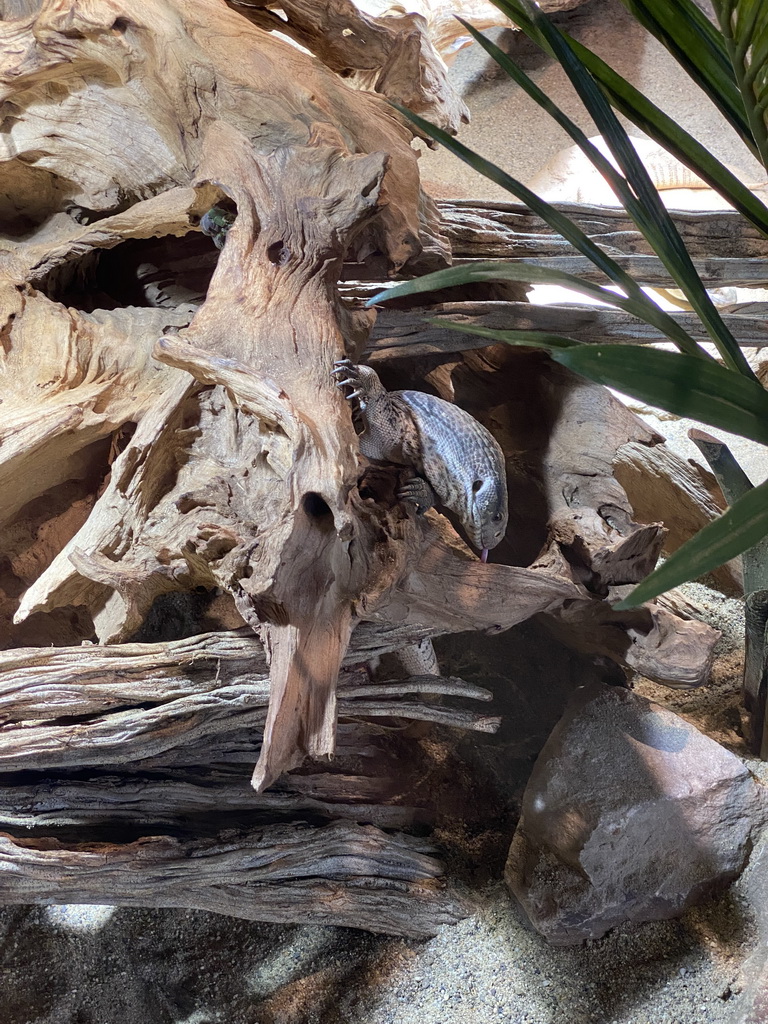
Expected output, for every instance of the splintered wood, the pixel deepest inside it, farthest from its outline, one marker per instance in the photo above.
(169, 426)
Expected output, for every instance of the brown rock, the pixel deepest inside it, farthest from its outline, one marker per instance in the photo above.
(630, 814)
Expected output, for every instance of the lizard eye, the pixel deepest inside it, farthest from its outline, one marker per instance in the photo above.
(476, 485)
(496, 517)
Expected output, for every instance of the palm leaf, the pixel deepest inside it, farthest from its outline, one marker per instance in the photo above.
(649, 212)
(685, 385)
(741, 527)
(494, 270)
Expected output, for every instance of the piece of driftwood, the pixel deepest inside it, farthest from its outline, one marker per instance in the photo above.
(169, 274)
(91, 706)
(137, 757)
(341, 874)
(507, 229)
(417, 331)
(394, 56)
(181, 68)
(445, 31)
(189, 801)
(661, 484)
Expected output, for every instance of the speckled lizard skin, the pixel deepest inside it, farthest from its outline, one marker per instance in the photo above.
(457, 462)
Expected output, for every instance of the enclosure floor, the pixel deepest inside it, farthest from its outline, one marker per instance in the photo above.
(85, 965)
(100, 965)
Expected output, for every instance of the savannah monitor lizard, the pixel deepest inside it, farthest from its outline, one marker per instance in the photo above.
(457, 462)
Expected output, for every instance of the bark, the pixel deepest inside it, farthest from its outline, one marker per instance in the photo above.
(170, 426)
(342, 874)
(418, 331)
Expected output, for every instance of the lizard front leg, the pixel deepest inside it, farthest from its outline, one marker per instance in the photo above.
(418, 491)
(364, 381)
(388, 428)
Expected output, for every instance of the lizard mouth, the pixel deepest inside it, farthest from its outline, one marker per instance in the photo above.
(484, 555)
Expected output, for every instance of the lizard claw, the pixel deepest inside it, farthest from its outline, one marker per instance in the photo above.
(342, 366)
(352, 378)
(419, 492)
(348, 384)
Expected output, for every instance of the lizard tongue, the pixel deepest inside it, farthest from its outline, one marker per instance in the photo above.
(484, 555)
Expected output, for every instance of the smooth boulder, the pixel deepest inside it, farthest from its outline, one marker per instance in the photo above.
(630, 814)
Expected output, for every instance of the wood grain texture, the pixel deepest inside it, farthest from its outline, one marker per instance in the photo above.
(341, 874)
(169, 426)
(418, 331)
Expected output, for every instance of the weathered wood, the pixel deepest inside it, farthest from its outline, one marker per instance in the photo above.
(662, 485)
(86, 680)
(394, 56)
(485, 230)
(399, 332)
(178, 66)
(94, 706)
(88, 374)
(126, 767)
(725, 248)
(191, 801)
(340, 874)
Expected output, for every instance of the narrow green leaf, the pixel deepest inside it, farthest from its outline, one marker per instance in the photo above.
(649, 212)
(655, 123)
(529, 339)
(684, 385)
(495, 270)
(741, 527)
(681, 384)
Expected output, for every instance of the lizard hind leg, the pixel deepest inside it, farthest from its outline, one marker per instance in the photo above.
(418, 491)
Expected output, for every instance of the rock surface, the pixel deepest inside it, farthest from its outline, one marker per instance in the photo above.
(630, 814)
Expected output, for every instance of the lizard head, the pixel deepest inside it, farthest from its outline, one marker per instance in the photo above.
(487, 520)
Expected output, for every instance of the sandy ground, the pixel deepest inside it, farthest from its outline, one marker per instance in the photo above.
(83, 965)
(101, 965)
(80, 965)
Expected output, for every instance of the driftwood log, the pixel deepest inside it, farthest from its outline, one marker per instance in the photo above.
(169, 427)
(125, 774)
